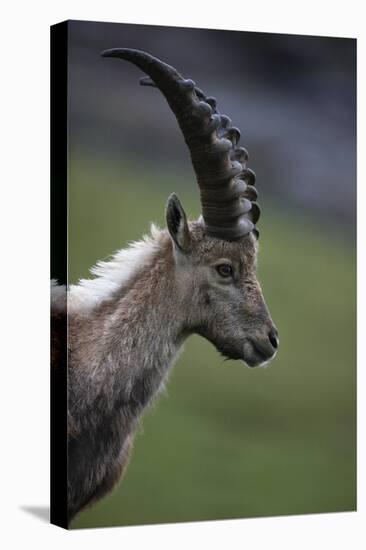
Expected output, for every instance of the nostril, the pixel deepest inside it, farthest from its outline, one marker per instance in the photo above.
(273, 339)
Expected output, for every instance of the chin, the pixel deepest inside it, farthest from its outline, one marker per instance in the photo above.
(252, 363)
(229, 353)
(250, 356)
(257, 359)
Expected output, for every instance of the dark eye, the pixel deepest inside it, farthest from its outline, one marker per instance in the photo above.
(225, 270)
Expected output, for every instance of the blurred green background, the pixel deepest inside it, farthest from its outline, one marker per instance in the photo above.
(226, 441)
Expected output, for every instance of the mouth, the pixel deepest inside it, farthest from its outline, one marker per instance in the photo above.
(256, 355)
(253, 355)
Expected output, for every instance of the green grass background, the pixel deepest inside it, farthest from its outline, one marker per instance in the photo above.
(226, 441)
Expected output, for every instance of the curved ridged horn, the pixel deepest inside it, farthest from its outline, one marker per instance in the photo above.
(226, 185)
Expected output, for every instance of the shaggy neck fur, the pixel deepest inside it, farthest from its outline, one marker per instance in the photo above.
(122, 344)
(112, 275)
(133, 331)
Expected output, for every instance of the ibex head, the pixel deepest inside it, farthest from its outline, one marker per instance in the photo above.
(215, 257)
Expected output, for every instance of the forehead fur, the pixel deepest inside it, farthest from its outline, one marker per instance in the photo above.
(243, 250)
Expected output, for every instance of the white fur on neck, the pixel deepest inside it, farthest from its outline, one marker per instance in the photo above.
(113, 274)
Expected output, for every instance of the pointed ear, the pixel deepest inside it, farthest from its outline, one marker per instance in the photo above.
(177, 223)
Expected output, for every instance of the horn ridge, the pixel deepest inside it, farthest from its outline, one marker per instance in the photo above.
(228, 198)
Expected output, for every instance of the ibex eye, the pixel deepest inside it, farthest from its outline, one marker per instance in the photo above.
(225, 270)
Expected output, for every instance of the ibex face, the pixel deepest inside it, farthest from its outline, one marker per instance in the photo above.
(221, 294)
(215, 257)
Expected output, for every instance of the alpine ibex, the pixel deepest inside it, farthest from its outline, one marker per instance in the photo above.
(126, 326)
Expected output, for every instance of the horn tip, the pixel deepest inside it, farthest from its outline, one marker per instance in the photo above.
(108, 53)
(117, 52)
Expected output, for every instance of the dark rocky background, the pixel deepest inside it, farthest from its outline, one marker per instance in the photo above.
(293, 97)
